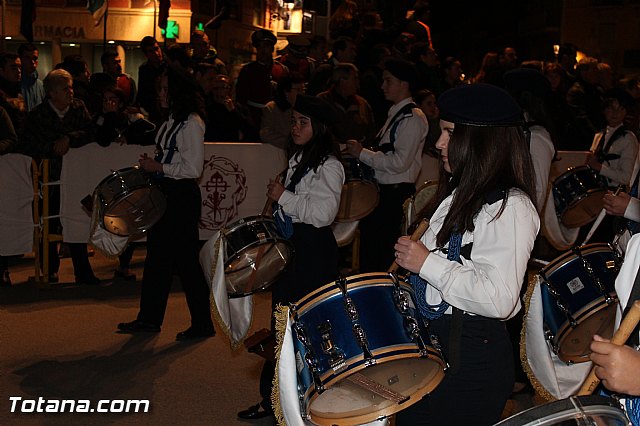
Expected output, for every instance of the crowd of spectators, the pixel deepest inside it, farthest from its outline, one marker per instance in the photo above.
(255, 106)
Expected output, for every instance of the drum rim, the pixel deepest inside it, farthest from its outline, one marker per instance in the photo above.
(585, 312)
(566, 404)
(570, 170)
(227, 229)
(236, 294)
(130, 191)
(565, 258)
(331, 289)
(115, 173)
(367, 212)
(433, 356)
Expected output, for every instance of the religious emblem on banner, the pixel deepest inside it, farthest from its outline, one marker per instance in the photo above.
(225, 186)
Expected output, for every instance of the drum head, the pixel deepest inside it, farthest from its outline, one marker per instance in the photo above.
(585, 210)
(347, 403)
(133, 213)
(257, 267)
(414, 205)
(358, 199)
(580, 410)
(574, 345)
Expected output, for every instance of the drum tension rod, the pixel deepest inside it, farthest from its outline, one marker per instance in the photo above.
(358, 332)
(336, 355)
(559, 302)
(309, 356)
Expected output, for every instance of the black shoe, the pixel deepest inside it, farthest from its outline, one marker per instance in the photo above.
(138, 326)
(5, 279)
(53, 278)
(196, 333)
(254, 412)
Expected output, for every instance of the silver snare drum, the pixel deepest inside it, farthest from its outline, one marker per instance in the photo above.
(130, 203)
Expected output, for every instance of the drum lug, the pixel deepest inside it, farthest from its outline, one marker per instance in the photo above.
(361, 338)
(550, 337)
(401, 299)
(309, 356)
(414, 331)
(559, 302)
(336, 355)
(435, 342)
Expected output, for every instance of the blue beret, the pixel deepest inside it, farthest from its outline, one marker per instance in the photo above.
(316, 108)
(479, 105)
(402, 70)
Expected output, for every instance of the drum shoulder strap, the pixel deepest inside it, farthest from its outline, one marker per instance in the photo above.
(404, 112)
(620, 132)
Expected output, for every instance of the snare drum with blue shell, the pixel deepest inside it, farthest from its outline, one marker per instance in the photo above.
(361, 354)
(579, 299)
(577, 194)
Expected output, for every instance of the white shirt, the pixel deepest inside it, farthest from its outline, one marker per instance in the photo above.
(317, 196)
(489, 283)
(542, 151)
(405, 162)
(618, 171)
(188, 159)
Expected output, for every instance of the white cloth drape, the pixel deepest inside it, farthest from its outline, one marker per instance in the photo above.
(16, 204)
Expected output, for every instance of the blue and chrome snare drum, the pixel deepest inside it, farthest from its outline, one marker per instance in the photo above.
(361, 353)
(579, 299)
(577, 194)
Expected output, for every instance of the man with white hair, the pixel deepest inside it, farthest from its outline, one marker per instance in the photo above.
(59, 123)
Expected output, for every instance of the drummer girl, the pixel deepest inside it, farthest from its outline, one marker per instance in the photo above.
(172, 243)
(305, 207)
(471, 262)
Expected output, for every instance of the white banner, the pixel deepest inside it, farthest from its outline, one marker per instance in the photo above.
(233, 183)
(16, 203)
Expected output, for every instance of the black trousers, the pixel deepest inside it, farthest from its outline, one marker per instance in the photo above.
(314, 265)
(380, 230)
(79, 256)
(477, 392)
(173, 248)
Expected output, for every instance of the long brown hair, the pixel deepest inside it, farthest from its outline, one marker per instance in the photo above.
(482, 159)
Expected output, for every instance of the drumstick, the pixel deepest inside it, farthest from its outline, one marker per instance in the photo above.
(599, 219)
(420, 229)
(269, 202)
(627, 326)
(261, 248)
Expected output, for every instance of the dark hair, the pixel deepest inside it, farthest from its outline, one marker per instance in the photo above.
(26, 47)
(147, 42)
(108, 54)
(74, 64)
(342, 71)
(483, 159)
(185, 96)
(176, 53)
(285, 84)
(6, 57)
(122, 97)
(315, 152)
(421, 95)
